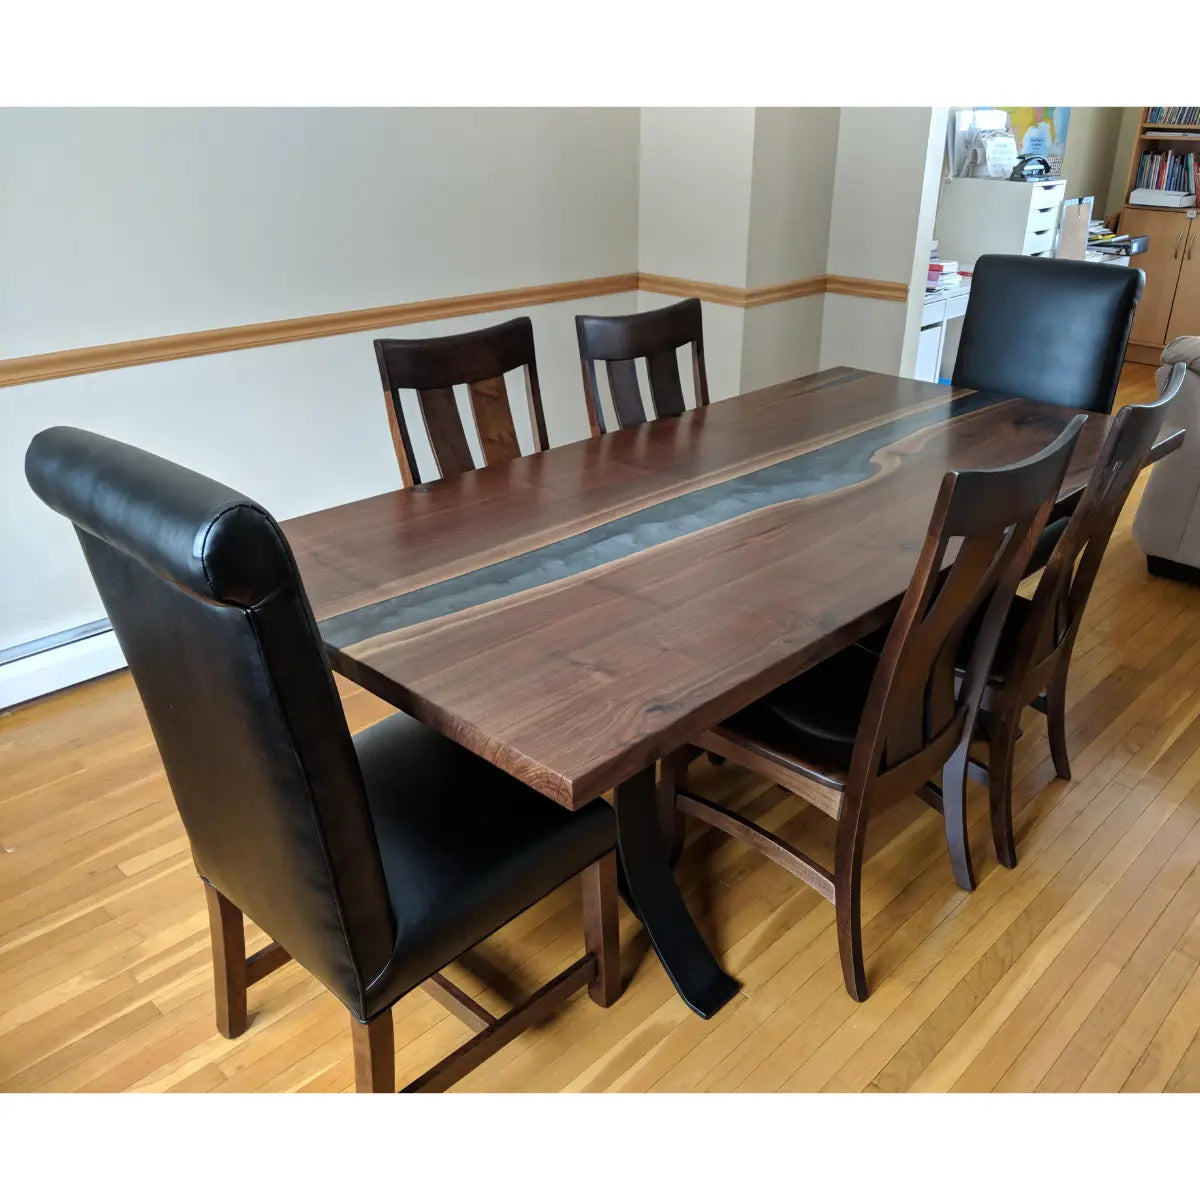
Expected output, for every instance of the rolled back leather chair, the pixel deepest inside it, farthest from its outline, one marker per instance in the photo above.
(373, 861)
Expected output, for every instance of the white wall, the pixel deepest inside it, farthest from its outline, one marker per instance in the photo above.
(121, 224)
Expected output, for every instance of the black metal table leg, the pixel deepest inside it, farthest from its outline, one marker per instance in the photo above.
(654, 896)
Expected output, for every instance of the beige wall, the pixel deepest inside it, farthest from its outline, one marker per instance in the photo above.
(741, 196)
(795, 151)
(884, 198)
(131, 223)
(694, 192)
(1091, 146)
(1118, 195)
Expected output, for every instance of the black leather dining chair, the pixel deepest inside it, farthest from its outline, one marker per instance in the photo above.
(1047, 329)
(373, 861)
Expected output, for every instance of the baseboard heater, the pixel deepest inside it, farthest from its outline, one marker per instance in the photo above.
(58, 660)
(52, 641)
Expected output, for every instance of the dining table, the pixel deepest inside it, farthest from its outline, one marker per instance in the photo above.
(575, 616)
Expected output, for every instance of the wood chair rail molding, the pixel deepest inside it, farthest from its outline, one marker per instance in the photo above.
(86, 360)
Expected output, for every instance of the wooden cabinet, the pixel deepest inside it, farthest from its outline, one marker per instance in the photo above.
(1170, 303)
(1185, 311)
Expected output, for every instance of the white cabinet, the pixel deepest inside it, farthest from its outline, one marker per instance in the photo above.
(929, 353)
(997, 216)
(937, 341)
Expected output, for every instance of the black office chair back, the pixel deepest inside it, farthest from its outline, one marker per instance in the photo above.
(1047, 329)
(203, 594)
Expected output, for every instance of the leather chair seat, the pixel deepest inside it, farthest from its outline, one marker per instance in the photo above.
(1018, 614)
(814, 718)
(464, 846)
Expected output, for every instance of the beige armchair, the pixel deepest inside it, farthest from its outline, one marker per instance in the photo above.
(1167, 525)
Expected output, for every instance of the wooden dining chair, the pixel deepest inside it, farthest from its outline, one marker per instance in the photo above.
(373, 861)
(655, 336)
(858, 730)
(1033, 654)
(432, 367)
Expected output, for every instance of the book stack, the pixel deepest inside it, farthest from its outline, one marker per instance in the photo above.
(1173, 116)
(1169, 172)
(943, 275)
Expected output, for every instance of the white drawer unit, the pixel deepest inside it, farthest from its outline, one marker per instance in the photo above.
(997, 216)
(937, 340)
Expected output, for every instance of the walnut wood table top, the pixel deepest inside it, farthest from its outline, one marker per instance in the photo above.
(574, 615)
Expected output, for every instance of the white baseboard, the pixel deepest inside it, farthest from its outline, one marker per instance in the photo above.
(60, 667)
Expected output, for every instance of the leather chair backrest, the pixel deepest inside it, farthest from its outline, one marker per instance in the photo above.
(1047, 329)
(206, 602)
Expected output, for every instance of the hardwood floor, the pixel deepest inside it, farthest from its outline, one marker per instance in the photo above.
(1080, 970)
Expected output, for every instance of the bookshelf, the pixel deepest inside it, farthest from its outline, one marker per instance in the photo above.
(1170, 303)
(1159, 137)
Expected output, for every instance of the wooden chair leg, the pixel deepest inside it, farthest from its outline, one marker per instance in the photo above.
(374, 1054)
(847, 899)
(228, 932)
(600, 933)
(1056, 721)
(954, 811)
(1002, 747)
(672, 776)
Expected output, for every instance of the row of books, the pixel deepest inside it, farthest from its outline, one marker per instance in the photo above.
(1173, 116)
(1169, 172)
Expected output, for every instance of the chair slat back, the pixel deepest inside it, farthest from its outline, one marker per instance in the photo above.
(432, 367)
(991, 520)
(654, 336)
(1066, 583)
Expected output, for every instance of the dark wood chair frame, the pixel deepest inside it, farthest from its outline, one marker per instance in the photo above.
(655, 336)
(433, 366)
(1036, 673)
(915, 724)
(599, 970)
